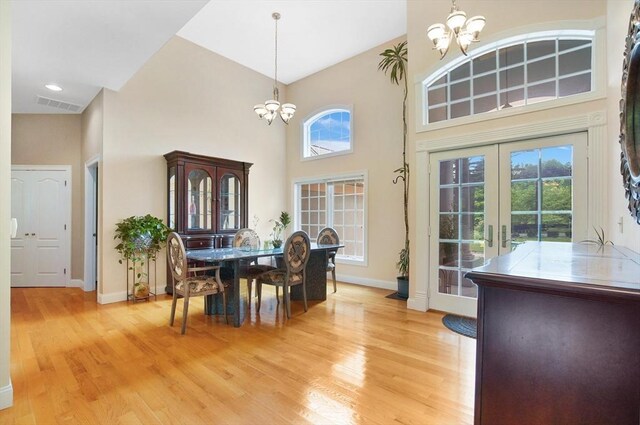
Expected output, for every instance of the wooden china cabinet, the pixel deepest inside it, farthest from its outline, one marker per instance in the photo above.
(208, 199)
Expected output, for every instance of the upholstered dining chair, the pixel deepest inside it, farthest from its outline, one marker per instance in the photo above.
(328, 236)
(295, 253)
(249, 239)
(188, 283)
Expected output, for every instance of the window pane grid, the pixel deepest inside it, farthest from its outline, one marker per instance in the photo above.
(327, 132)
(461, 223)
(549, 191)
(342, 209)
(542, 87)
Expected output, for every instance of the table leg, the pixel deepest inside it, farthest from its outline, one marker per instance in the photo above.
(316, 278)
(240, 297)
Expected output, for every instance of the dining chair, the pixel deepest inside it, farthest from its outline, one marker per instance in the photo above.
(188, 283)
(295, 253)
(328, 236)
(250, 270)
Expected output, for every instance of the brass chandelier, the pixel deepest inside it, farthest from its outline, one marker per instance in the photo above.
(271, 108)
(464, 30)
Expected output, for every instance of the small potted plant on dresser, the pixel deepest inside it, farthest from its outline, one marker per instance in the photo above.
(141, 237)
(279, 228)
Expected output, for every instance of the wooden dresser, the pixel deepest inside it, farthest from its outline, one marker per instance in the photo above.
(559, 336)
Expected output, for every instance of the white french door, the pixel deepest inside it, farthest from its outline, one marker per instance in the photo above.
(40, 201)
(487, 200)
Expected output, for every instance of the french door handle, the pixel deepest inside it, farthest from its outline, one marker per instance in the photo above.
(504, 236)
(490, 240)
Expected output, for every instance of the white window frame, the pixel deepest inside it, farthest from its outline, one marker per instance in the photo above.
(594, 29)
(329, 207)
(311, 119)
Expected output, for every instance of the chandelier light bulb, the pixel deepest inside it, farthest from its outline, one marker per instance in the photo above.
(260, 110)
(465, 31)
(456, 20)
(475, 25)
(289, 108)
(269, 116)
(272, 105)
(435, 31)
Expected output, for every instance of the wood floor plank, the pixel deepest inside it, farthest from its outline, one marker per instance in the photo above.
(356, 358)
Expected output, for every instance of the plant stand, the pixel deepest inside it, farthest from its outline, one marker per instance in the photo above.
(131, 281)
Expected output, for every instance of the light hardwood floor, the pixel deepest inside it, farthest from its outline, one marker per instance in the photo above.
(356, 358)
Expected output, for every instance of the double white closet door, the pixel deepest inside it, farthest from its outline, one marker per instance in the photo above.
(487, 200)
(40, 202)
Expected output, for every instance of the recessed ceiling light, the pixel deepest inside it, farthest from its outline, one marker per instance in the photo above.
(53, 87)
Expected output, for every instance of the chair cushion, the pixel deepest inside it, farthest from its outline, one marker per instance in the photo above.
(255, 270)
(276, 277)
(199, 284)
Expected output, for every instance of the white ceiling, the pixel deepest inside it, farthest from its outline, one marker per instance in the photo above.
(86, 45)
(312, 34)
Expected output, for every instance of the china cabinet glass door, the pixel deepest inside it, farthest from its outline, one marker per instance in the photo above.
(229, 204)
(173, 198)
(199, 198)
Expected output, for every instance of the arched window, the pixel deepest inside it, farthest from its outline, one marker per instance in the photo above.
(327, 133)
(511, 73)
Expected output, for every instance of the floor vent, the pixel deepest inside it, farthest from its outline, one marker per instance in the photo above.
(58, 104)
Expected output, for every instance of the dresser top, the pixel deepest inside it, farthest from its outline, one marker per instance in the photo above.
(564, 267)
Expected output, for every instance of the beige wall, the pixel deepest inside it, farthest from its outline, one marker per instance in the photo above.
(55, 139)
(187, 98)
(6, 391)
(92, 128)
(91, 141)
(627, 233)
(377, 143)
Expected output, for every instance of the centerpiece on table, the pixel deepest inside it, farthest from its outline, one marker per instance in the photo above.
(279, 228)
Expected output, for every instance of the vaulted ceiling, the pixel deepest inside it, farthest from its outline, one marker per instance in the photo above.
(85, 45)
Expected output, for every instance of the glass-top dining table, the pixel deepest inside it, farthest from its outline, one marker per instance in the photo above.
(316, 272)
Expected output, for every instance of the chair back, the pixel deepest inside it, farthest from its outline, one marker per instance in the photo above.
(246, 238)
(176, 257)
(328, 236)
(296, 252)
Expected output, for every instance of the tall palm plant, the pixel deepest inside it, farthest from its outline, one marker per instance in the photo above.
(394, 63)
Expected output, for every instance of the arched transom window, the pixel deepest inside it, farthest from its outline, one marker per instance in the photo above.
(327, 133)
(513, 73)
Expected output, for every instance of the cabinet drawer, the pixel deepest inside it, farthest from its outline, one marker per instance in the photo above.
(200, 243)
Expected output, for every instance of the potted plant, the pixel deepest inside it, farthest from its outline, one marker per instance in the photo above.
(279, 228)
(141, 237)
(394, 62)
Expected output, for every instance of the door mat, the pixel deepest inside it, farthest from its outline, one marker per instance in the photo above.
(466, 326)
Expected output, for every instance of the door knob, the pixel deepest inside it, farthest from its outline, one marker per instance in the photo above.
(504, 236)
(490, 234)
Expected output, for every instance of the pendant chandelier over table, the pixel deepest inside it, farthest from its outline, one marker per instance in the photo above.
(271, 108)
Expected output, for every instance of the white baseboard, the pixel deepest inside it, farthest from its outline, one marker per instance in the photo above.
(6, 396)
(75, 283)
(114, 297)
(364, 281)
(418, 301)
